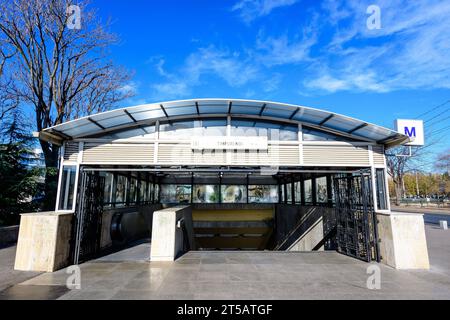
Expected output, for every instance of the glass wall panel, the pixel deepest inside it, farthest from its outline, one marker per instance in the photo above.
(234, 194)
(121, 189)
(262, 194)
(204, 193)
(194, 128)
(298, 191)
(289, 193)
(133, 190)
(172, 193)
(308, 191)
(67, 188)
(150, 191)
(381, 189)
(310, 134)
(321, 190)
(142, 191)
(271, 130)
(109, 182)
(156, 193)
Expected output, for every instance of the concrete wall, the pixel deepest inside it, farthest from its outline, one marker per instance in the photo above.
(306, 237)
(403, 244)
(44, 241)
(8, 235)
(167, 238)
(310, 239)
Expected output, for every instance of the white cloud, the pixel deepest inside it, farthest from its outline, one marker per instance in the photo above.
(130, 87)
(231, 67)
(272, 83)
(249, 10)
(410, 51)
(280, 51)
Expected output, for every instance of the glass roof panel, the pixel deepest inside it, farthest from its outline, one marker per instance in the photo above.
(149, 114)
(342, 124)
(246, 109)
(82, 130)
(115, 121)
(213, 108)
(312, 116)
(181, 110)
(280, 111)
(374, 133)
(72, 124)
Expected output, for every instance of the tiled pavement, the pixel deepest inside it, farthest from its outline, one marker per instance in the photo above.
(249, 275)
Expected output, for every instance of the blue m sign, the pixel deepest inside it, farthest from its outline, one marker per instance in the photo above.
(410, 133)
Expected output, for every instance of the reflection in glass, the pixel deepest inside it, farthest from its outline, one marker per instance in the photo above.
(133, 190)
(204, 193)
(308, 191)
(381, 189)
(271, 130)
(289, 192)
(234, 193)
(321, 189)
(67, 188)
(298, 192)
(193, 128)
(310, 134)
(121, 188)
(109, 179)
(262, 194)
(142, 191)
(175, 193)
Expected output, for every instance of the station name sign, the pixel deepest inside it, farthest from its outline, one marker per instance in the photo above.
(229, 143)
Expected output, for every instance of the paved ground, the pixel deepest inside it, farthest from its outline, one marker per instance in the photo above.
(8, 276)
(442, 211)
(244, 275)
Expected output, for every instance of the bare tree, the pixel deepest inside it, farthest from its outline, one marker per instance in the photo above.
(443, 162)
(7, 101)
(403, 160)
(63, 73)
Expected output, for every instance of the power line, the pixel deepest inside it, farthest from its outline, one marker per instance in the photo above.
(440, 120)
(433, 108)
(437, 131)
(437, 115)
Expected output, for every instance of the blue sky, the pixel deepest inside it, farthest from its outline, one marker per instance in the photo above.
(313, 53)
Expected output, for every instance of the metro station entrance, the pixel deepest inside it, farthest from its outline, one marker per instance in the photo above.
(232, 209)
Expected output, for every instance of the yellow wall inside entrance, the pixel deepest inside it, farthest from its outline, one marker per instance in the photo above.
(232, 215)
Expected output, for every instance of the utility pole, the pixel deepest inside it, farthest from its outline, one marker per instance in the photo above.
(417, 184)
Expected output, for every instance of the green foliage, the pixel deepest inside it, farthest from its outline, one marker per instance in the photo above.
(19, 180)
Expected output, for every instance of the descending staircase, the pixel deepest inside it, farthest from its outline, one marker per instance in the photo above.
(240, 229)
(314, 219)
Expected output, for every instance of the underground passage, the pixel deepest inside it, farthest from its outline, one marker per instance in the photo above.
(220, 174)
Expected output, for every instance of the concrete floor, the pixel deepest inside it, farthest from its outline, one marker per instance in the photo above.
(8, 276)
(244, 275)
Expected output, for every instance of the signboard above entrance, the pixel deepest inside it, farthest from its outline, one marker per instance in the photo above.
(413, 129)
(229, 143)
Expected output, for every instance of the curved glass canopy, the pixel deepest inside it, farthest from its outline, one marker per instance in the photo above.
(200, 108)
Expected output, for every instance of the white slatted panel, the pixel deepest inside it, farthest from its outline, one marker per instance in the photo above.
(335, 155)
(183, 154)
(118, 153)
(71, 151)
(378, 155)
(209, 157)
(275, 155)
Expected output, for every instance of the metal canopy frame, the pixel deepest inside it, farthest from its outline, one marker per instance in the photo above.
(188, 109)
